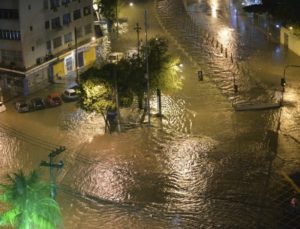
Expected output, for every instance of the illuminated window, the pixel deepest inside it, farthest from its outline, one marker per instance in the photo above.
(10, 34)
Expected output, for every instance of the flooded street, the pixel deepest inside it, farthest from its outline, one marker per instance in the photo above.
(203, 165)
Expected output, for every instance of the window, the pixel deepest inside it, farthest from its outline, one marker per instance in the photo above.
(76, 14)
(55, 23)
(86, 10)
(66, 19)
(57, 42)
(10, 34)
(32, 48)
(9, 14)
(54, 4)
(79, 32)
(30, 28)
(65, 2)
(69, 64)
(46, 4)
(47, 25)
(88, 29)
(68, 37)
(11, 56)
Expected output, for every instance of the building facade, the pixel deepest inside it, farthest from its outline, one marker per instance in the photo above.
(289, 39)
(39, 42)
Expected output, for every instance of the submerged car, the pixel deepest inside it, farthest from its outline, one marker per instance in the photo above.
(53, 100)
(22, 106)
(38, 104)
(69, 95)
(2, 107)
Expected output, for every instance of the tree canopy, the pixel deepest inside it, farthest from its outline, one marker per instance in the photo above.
(29, 202)
(128, 76)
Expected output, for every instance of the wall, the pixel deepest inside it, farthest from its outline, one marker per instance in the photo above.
(291, 41)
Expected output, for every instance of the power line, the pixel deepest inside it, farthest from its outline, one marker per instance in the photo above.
(27, 138)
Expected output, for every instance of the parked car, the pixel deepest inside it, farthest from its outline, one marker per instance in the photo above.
(69, 95)
(53, 100)
(22, 106)
(2, 107)
(38, 104)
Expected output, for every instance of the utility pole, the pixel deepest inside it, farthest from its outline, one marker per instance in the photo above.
(138, 28)
(147, 67)
(76, 56)
(52, 165)
(158, 93)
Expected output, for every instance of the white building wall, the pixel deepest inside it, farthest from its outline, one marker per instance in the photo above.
(34, 37)
(10, 47)
(288, 39)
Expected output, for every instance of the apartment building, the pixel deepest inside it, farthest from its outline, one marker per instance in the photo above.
(39, 40)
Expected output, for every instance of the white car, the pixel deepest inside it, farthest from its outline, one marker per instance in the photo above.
(69, 95)
(2, 107)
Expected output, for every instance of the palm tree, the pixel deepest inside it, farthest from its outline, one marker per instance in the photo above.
(29, 202)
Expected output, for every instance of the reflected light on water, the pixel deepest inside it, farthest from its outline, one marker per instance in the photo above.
(214, 8)
(188, 162)
(225, 36)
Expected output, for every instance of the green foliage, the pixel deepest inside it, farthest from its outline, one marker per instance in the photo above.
(30, 203)
(98, 87)
(163, 68)
(95, 96)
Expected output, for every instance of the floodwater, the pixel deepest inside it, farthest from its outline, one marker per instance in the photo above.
(201, 166)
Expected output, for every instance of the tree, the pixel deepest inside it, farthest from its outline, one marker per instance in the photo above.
(110, 8)
(30, 203)
(163, 67)
(98, 89)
